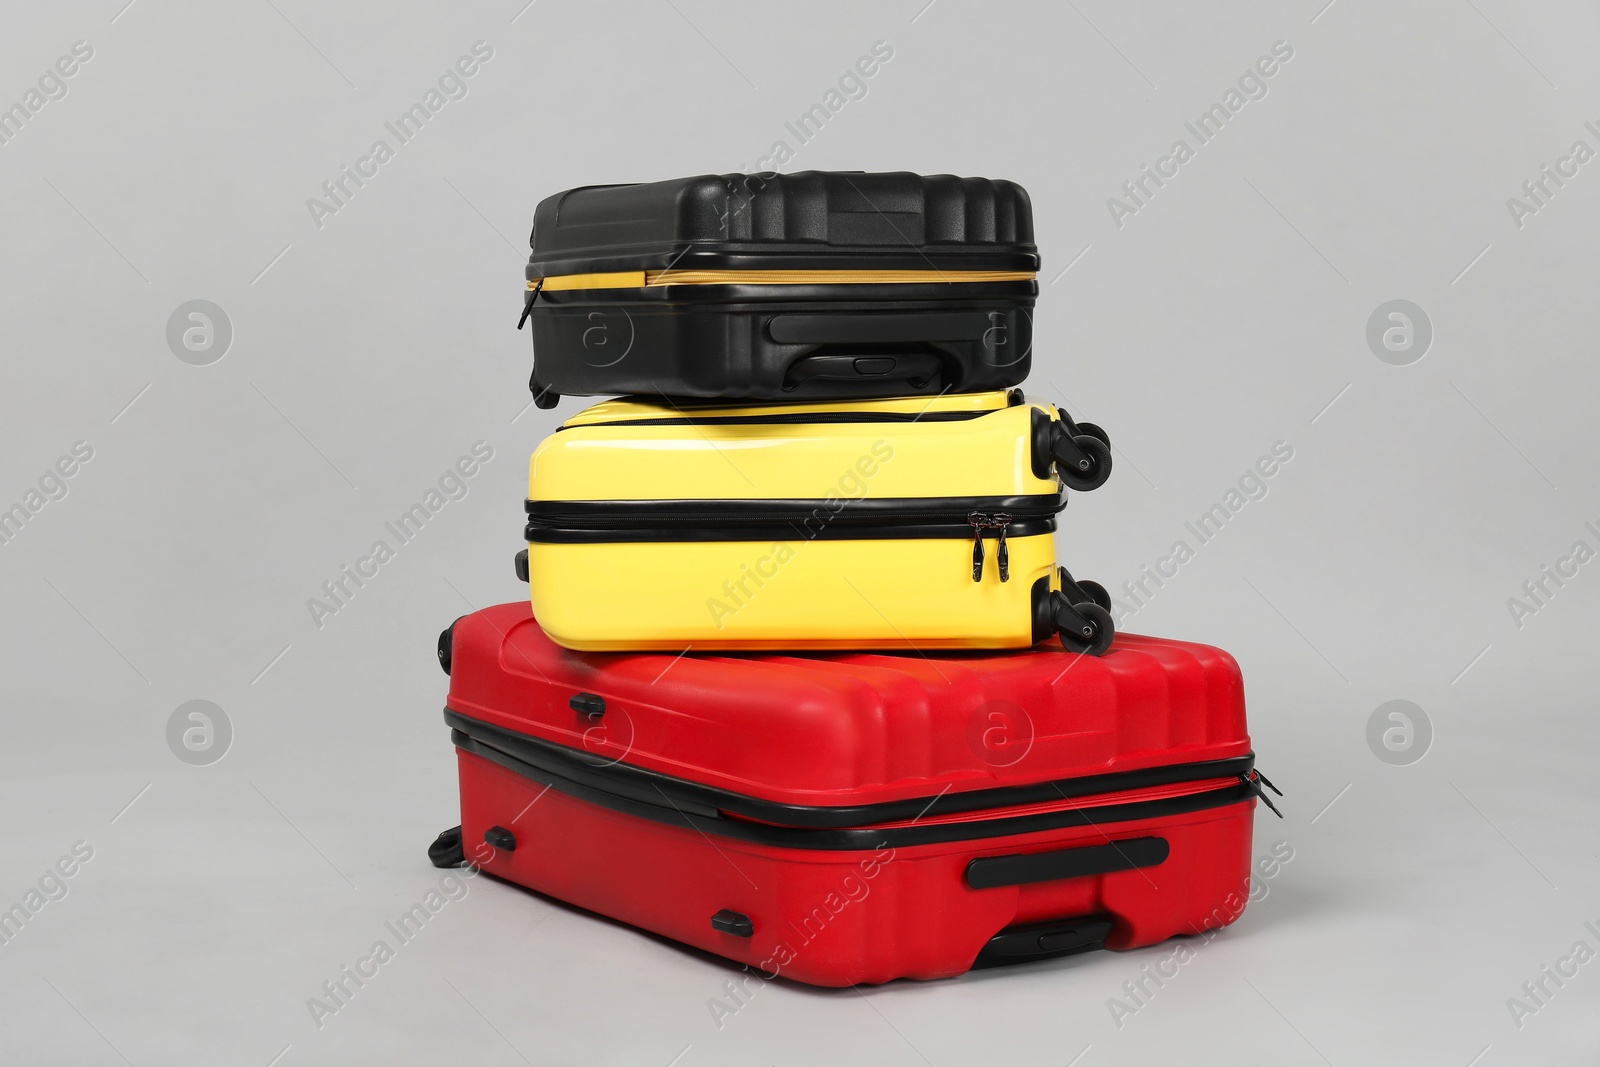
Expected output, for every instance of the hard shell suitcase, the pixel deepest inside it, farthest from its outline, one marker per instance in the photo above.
(907, 523)
(782, 286)
(858, 817)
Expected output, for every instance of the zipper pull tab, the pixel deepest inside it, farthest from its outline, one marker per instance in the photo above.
(1268, 783)
(1001, 520)
(1253, 779)
(527, 302)
(977, 520)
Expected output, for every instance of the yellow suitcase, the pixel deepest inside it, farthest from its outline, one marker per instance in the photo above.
(919, 523)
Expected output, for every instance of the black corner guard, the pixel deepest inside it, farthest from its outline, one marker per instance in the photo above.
(446, 850)
(501, 838)
(989, 872)
(1043, 941)
(521, 565)
(589, 704)
(733, 922)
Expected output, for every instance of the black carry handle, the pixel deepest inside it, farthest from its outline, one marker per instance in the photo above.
(989, 872)
(1043, 941)
(917, 369)
(856, 346)
(877, 328)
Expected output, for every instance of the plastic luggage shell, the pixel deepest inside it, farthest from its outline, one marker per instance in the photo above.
(856, 818)
(782, 287)
(909, 523)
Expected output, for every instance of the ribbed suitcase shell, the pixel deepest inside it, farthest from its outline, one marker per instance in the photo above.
(843, 731)
(708, 286)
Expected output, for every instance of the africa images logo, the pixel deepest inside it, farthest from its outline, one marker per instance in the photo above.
(338, 191)
(1252, 85)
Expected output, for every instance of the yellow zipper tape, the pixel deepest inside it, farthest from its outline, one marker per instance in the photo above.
(637, 279)
(626, 279)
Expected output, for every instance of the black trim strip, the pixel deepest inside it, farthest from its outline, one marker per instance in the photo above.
(794, 418)
(665, 798)
(816, 529)
(629, 780)
(591, 521)
(686, 253)
(689, 405)
(863, 838)
(866, 509)
(989, 872)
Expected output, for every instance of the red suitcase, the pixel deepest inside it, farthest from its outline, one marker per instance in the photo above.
(858, 817)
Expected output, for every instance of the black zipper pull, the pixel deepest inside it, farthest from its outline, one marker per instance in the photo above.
(977, 520)
(1268, 783)
(1253, 779)
(1000, 520)
(527, 302)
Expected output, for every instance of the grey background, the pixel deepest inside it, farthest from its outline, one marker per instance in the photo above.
(368, 355)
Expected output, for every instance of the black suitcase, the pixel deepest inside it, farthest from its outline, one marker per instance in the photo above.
(807, 286)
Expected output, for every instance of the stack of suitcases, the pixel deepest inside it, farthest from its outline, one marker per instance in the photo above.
(800, 681)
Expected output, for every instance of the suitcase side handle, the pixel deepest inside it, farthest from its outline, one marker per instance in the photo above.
(990, 872)
(848, 346)
(879, 328)
(917, 369)
(1043, 941)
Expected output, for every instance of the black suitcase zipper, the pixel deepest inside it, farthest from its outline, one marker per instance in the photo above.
(713, 515)
(633, 521)
(793, 418)
(662, 798)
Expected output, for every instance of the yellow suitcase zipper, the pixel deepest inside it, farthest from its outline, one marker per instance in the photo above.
(640, 279)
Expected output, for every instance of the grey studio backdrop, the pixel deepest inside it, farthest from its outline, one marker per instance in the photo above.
(191, 875)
